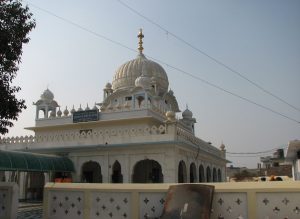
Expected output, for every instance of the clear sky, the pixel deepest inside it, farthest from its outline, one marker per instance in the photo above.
(259, 39)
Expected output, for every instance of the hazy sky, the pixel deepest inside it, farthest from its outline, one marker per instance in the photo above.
(259, 39)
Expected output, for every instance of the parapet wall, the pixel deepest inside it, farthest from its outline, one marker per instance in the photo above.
(8, 200)
(116, 201)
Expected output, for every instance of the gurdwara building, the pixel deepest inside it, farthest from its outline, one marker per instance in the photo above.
(136, 135)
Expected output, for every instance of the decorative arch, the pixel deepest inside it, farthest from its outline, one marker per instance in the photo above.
(182, 176)
(193, 173)
(116, 176)
(41, 114)
(201, 174)
(219, 175)
(208, 174)
(215, 179)
(91, 172)
(147, 171)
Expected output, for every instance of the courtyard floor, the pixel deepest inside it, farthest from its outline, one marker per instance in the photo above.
(30, 211)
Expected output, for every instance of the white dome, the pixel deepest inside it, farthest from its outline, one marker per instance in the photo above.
(47, 95)
(108, 85)
(127, 74)
(143, 82)
(187, 114)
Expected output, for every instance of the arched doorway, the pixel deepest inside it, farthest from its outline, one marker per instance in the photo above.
(147, 171)
(35, 182)
(219, 176)
(208, 174)
(91, 172)
(201, 174)
(116, 176)
(214, 175)
(193, 174)
(182, 172)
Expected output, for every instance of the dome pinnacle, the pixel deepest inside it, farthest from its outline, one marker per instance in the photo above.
(140, 36)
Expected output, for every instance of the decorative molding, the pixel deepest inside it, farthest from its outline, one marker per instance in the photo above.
(98, 134)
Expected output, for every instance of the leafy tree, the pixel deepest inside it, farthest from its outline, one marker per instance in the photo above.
(15, 23)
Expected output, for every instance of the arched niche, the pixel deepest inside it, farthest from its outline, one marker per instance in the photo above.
(147, 171)
(182, 176)
(116, 176)
(91, 172)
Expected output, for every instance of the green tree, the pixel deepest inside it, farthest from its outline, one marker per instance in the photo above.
(15, 23)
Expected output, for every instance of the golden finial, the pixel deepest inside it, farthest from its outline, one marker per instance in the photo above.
(140, 36)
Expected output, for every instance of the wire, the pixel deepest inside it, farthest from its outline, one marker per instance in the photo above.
(243, 156)
(81, 27)
(164, 63)
(207, 55)
(259, 152)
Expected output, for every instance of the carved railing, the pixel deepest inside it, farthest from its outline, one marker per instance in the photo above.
(18, 140)
(85, 135)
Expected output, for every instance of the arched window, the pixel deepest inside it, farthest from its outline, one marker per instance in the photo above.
(214, 175)
(147, 171)
(201, 174)
(91, 172)
(193, 174)
(117, 176)
(208, 174)
(182, 172)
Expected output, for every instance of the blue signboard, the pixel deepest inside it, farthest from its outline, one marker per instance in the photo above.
(85, 116)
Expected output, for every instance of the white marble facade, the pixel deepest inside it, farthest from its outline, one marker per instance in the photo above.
(137, 135)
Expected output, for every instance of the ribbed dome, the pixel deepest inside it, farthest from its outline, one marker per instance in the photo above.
(127, 74)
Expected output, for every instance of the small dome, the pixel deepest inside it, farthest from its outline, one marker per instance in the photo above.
(66, 112)
(108, 86)
(187, 114)
(73, 110)
(59, 113)
(222, 147)
(143, 82)
(47, 95)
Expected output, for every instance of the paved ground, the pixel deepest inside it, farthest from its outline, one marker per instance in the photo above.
(30, 212)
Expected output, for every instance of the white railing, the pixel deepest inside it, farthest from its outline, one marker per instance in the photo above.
(253, 200)
(89, 136)
(17, 140)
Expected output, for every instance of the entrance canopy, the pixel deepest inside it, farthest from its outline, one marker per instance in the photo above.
(28, 162)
